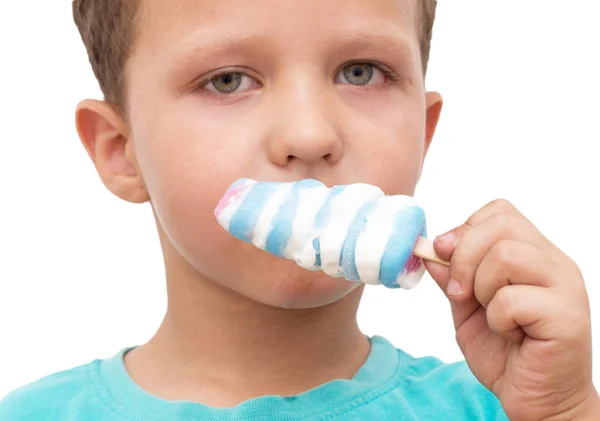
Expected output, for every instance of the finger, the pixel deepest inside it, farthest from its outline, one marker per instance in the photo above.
(461, 311)
(463, 305)
(477, 243)
(445, 244)
(541, 313)
(512, 262)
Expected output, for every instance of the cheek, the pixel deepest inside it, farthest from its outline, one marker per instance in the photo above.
(388, 142)
(188, 162)
(185, 179)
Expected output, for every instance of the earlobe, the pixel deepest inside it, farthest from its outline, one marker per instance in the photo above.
(104, 134)
(434, 105)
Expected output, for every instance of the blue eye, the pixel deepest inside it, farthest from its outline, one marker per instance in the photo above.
(226, 82)
(360, 74)
(230, 82)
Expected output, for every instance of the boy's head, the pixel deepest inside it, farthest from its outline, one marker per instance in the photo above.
(202, 92)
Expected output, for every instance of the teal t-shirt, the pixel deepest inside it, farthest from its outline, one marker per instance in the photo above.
(391, 385)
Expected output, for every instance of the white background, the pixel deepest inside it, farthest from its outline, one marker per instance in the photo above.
(81, 273)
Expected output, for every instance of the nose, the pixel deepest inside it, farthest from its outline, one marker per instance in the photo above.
(305, 128)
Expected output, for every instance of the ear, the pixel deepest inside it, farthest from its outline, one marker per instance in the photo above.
(434, 104)
(105, 136)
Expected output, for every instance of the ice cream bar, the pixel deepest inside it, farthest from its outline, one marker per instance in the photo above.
(353, 231)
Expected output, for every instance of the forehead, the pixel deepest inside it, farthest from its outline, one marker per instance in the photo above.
(308, 23)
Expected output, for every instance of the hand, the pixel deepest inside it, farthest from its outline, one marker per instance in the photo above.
(521, 314)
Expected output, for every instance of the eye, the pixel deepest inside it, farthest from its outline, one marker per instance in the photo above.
(230, 82)
(359, 74)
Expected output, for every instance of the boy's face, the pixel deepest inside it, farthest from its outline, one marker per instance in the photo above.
(277, 90)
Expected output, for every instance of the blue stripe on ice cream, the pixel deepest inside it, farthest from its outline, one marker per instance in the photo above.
(408, 225)
(282, 223)
(317, 247)
(322, 219)
(357, 226)
(244, 219)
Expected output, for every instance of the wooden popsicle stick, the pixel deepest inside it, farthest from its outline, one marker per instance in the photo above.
(424, 250)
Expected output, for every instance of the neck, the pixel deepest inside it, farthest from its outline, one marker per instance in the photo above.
(220, 348)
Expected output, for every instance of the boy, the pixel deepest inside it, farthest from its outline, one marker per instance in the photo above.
(202, 92)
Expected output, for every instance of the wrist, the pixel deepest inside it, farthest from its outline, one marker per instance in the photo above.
(590, 410)
(587, 410)
(594, 412)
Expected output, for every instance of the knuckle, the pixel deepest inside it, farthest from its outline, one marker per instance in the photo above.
(497, 206)
(504, 299)
(501, 219)
(506, 225)
(573, 267)
(503, 253)
(472, 221)
(575, 274)
(501, 206)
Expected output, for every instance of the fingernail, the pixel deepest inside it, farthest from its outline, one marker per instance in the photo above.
(454, 288)
(448, 238)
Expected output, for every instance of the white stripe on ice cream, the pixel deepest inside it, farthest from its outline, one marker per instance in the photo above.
(264, 225)
(343, 209)
(307, 257)
(371, 244)
(234, 204)
(310, 202)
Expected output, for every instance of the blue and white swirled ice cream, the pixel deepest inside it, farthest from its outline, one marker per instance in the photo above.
(353, 231)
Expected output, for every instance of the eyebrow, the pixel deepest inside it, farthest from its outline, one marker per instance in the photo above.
(206, 44)
(203, 46)
(387, 38)
(214, 42)
(391, 41)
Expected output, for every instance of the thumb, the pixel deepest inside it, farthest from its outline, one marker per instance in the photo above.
(444, 245)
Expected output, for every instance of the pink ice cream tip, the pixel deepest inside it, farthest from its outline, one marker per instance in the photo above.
(234, 193)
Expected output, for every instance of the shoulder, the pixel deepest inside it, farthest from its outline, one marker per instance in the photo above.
(50, 398)
(450, 387)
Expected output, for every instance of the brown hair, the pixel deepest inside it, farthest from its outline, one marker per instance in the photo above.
(107, 28)
(426, 18)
